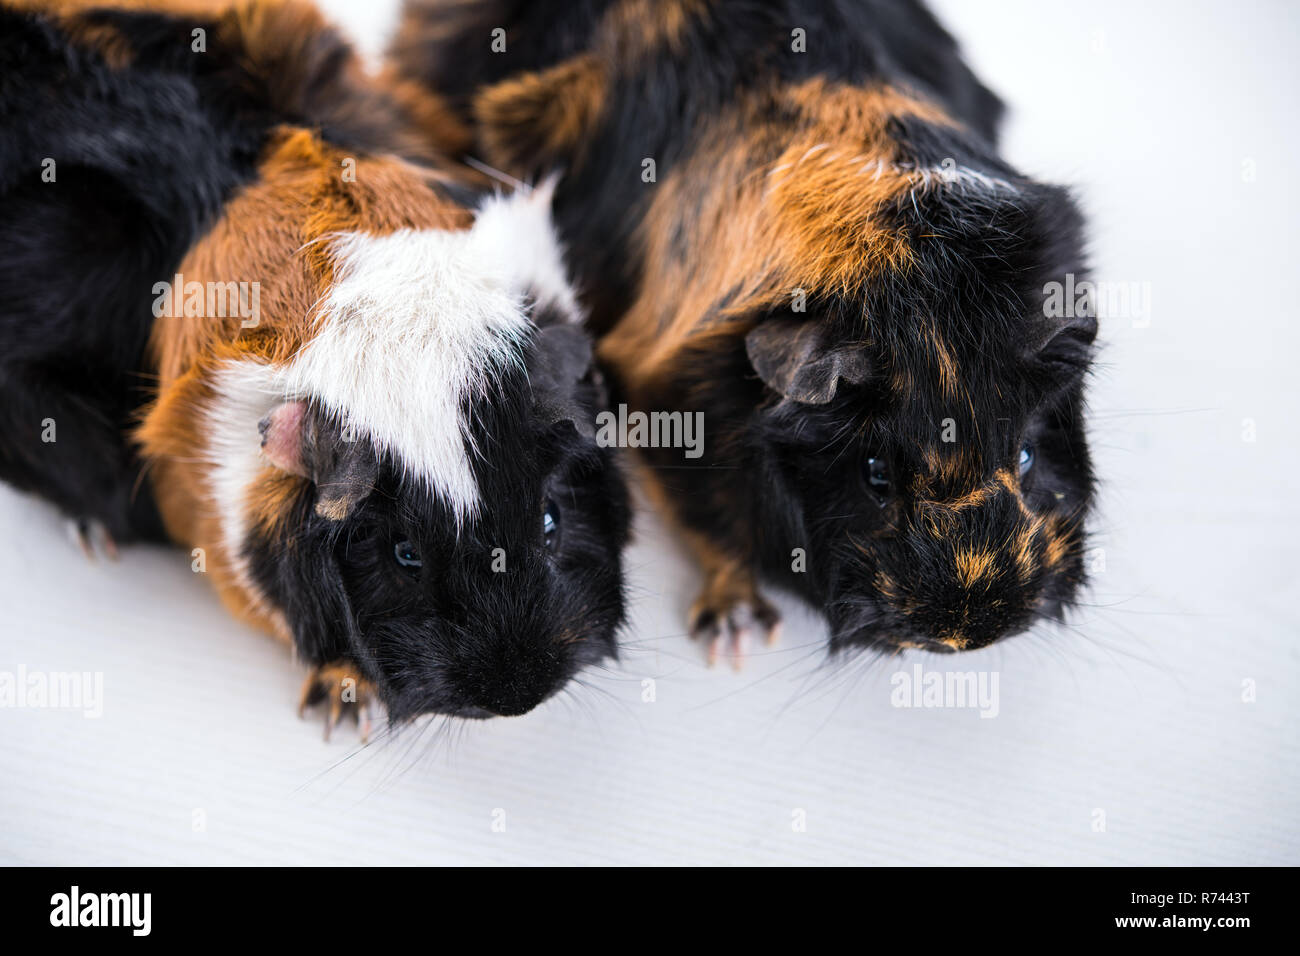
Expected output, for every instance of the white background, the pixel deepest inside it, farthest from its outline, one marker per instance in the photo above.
(1154, 111)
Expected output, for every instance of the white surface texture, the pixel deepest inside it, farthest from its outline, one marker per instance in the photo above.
(1175, 121)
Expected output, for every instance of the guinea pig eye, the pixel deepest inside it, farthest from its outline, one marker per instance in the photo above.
(407, 554)
(1026, 457)
(878, 476)
(550, 524)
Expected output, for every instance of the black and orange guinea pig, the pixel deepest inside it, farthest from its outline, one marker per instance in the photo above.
(790, 217)
(357, 388)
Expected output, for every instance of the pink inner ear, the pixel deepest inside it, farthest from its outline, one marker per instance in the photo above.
(282, 437)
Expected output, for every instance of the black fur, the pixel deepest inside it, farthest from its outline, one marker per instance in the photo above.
(656, 111)
(145, 156)
(496, 619)
(897, 567)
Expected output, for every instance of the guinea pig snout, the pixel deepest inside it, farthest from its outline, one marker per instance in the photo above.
(961, 578)
(509, 676)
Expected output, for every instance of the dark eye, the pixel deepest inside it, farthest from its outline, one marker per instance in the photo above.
(878, 476)
(550, 524)
(1026, 457)
(407, 555)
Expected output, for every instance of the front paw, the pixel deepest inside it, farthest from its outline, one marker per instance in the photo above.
(341, 683)
(92, 538)
(729, 614)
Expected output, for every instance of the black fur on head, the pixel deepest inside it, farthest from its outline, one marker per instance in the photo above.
(943, 484)
(487, 616)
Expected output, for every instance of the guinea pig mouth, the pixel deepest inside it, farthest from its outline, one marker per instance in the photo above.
(477, 690)
(410, 704)
(923, 644)
(470, 712)
(890, 641)
(866, 622)
(404, 711)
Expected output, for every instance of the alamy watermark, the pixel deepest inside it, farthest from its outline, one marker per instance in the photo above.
(208, 300)
(54, 690)
(626, 429)
(977, 690)
(1098, 299)
(75, 908)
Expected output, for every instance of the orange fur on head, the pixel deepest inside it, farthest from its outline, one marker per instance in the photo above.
(766, 213)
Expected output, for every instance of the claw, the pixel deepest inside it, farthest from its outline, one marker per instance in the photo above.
(739, 645)
(774, 632)
(363, 721)
(336, 714)
(715, 649)
(731, 629)
(311, 693)
(92, 538)
(326, 682)
(79, 534)
(107, 543)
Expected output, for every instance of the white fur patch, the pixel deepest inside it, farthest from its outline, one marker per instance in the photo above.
(521, 233)
(245, 392)
(417, 322)
(949, 173)
(946, 174)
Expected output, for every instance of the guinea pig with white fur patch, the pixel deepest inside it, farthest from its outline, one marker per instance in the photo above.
(360, 389)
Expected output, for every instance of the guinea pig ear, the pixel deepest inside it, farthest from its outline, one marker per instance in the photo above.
(800, 359)
(348, 475)
(282, 434)
(537, 120)
(561, 358)
(1065, 343)
(301, 440)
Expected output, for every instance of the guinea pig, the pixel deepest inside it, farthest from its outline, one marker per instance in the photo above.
(372, 415)
(127, 124)
(791, 218)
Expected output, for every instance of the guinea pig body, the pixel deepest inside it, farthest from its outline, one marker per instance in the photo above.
(371, 419)
(791, 217)
(127, 125)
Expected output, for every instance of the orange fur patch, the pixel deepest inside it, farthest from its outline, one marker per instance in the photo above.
(972, 566)
(758, 211)
(1059, 539)
(106, 40)
(534, 120)
(270, 500)
(634, 30)
(435, 120)
(1023, 552)
(946, 366)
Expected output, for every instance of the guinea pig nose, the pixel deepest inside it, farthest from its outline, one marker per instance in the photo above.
(516, 707)
(972, 640)
(509, 698)
(944, 631)
(511, 678)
